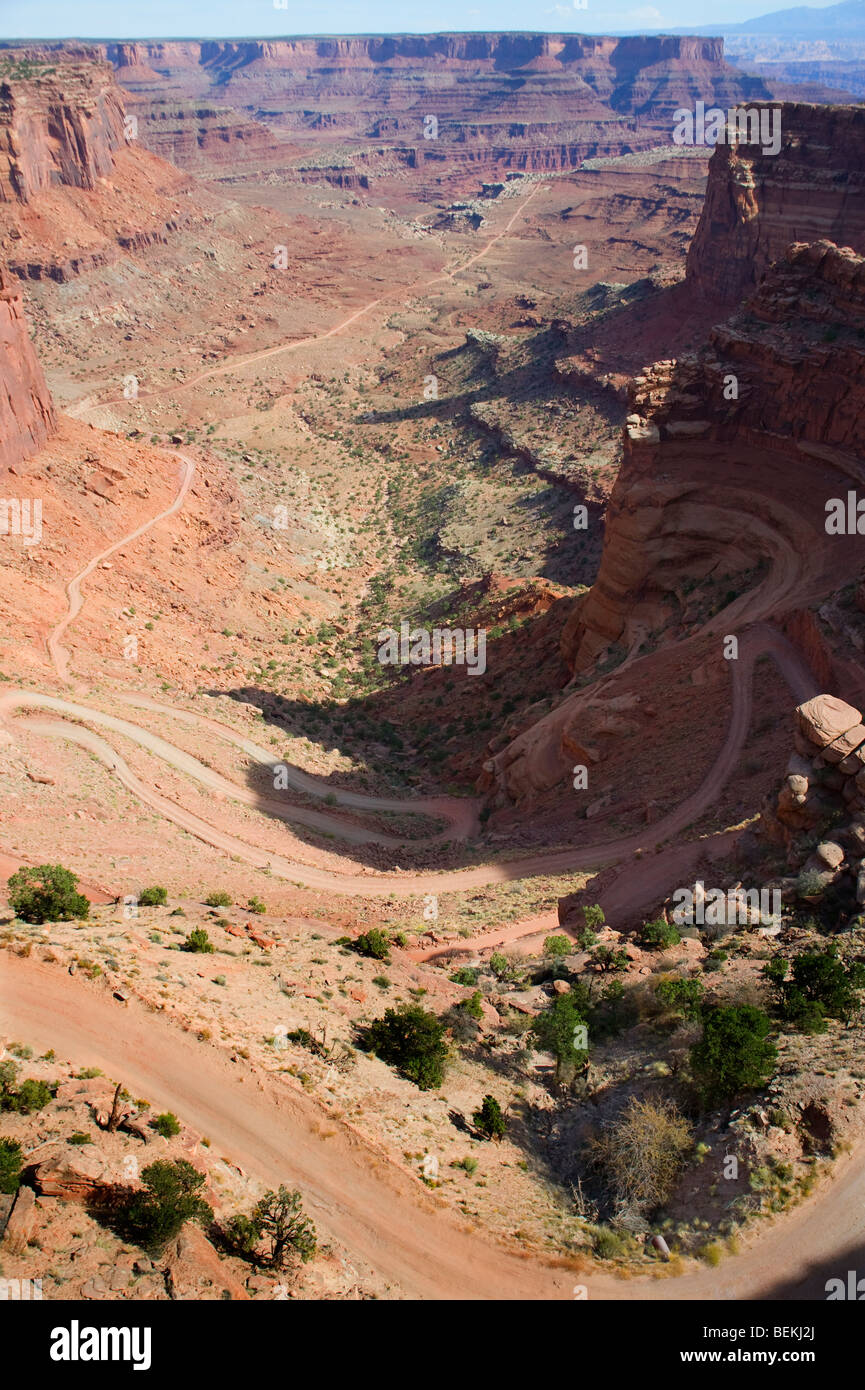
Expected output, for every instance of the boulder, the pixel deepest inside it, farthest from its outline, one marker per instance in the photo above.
(22, 1222)
(194, 1271)
(830, 853)
(75, 1176)
(826, 718)
(841, 748)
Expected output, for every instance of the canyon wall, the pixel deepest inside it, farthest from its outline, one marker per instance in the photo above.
(758, 204)
(60, 124)
(729, 457)
(522, 101)
(26, 411)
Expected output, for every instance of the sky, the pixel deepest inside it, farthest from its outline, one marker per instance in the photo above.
(230, 18)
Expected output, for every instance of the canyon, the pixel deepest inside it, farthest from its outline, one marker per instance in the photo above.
(283, 374)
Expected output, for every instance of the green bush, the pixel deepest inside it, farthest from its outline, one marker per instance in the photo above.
(658, 935)
(489, 1119)
(198, 941)
(46, 893)
(10, 1166)
(558, 946)
(735, 1052)
(465, 975)
(166, 1124)
(170, 1197)
(279, 1219)
(821, 987)
(218, 899)
(685, 996)
(412, 1040)
(256, 905)
(79, 1137)
(153, 897)
(29, 1096)
(556, 1031)
(374, 943)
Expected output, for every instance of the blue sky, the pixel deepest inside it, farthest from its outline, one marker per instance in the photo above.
(225, 18)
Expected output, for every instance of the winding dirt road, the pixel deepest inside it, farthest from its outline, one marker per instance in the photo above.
(365, 1200)
(357, 1194)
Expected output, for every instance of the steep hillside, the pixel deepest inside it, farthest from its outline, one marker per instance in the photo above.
(26, 411)
(757, 204)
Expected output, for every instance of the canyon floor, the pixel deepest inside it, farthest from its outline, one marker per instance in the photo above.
(292, 415)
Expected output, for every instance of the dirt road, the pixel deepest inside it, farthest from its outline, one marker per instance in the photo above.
(360, 1197)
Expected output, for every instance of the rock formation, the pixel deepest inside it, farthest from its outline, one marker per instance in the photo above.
(26, 411)
(757, 204)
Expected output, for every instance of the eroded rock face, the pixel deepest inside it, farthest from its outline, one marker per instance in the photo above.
(59, 125)
(729, 456)
(26, 410)
(757, 204)
(518, 101)
(193, 1269)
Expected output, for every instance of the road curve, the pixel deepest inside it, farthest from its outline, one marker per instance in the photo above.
(365, 1199)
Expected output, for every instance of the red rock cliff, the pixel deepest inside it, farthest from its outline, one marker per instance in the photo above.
(758, 204)
(60, 123)
(26, 411)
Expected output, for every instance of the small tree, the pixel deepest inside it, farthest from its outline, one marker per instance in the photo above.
(10, 1165)
(593, 916)
(735, 1052)
(609, 960)
(489, 1119)
(47, 893)
(685, 996)
(170, 1197)
(153, 897)
(374, 943)
(559, 1031)
(278, 1217)
(558, 946)
(821, 987)
(412, 1040)
(198, 941)
(659, 935)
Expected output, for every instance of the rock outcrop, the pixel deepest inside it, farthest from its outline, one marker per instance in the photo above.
(730, 457)
(758, 203)
(58, 124)
(512, 101)
(26, 410)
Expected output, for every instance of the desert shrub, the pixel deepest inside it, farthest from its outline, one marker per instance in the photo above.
(166, 1124)
(10, 1166)
(472, 1006)
(685, 996)
(465, 975)
(558, 946)
(24, 1099)
(256, 905)
(658, 935)
(593, 916)
(735, 1052)
(47, 893)
(374, 943)
(587, 939)
(170, 1197)
(809, 884)
(489, 1120)
(821, 986)
(642, 1151)
(277, 1218)
(153, 897)
(609, 960)
(556, 1031)
(501, 966)
(412, 1040)
(218, 899)
(79, 1138)
(198, 941)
